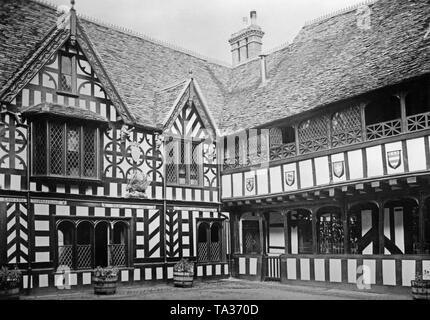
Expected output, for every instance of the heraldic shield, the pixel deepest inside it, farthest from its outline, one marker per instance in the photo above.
(394, 159)
(290, 178)
(250, 183)
(339, 168)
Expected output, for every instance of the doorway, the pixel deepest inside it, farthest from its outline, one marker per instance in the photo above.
(251, 237)
(101, 244)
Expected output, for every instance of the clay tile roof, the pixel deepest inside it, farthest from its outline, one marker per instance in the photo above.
(63, 111)
(165, 99)
(22, 29)
(330, 60)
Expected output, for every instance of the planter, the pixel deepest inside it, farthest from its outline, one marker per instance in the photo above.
(10, 294)
(105, 286)
(420, 289)
(183, 279)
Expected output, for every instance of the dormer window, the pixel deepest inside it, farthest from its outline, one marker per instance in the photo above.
(184, 162)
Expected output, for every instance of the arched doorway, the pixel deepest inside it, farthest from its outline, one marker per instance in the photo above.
(65, 240)
(101, 241)
(401, 227)
(118, 249)
(216, 235)
(330, 231)
(300, 231)
(251, 234)
(363, 235)
(84, 236)
(202, 242)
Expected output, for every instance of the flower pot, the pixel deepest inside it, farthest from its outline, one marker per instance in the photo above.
(105, 286)
(420, 289)
(10, 294)
(183, 278)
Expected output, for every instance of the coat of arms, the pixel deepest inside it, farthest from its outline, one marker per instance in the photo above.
(394, 159)
(339, 168)
(135, 151)
(290, 178)
(250, 183)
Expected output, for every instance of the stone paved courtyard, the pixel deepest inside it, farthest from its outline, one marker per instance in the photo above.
(229, 289)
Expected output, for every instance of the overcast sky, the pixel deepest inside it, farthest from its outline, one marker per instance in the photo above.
(205, 26)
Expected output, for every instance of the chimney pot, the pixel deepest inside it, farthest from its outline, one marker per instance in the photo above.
(253, 15)
(247, 43)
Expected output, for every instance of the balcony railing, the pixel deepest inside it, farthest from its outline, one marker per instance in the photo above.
(351, 135)
(283, 151)
(418, 122)
(384, 129)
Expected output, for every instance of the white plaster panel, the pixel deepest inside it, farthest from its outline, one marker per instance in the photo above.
(416, 154)
(306, 175)
(322, 170)
(374, 161)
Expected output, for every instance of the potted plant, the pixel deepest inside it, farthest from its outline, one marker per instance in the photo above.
(10, 283)
(183, 273)
(421, 286)
(105, 280)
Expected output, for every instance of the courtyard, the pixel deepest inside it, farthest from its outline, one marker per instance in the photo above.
(228, 289)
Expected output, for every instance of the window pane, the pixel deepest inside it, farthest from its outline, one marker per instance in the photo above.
(66, 73)
(194, 166)
(171, 151)
(66, 65)
(182, 163)
(73, 154)
(56, 136)
(90, 157)
(39, 163)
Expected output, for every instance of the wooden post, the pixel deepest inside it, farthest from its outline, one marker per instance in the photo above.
(345, 227)
(286, 232)
(381, 236)
(261, 232)
(422, 208)
(402, 98)
(3, 241)
(363, 120)
(234, 226)
(296, 137)
(314, 232)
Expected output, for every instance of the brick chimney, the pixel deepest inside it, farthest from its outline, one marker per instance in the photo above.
(247, 43)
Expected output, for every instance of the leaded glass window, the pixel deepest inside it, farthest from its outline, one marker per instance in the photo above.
(67, 150)
(66, 73)
(184, 159)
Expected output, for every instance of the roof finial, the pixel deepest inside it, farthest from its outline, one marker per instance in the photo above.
(190, 72)
(72, 2)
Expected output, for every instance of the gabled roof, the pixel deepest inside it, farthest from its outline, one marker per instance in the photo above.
(22, 32)
(330, 60)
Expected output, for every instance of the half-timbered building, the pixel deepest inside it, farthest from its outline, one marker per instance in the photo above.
(309, 163)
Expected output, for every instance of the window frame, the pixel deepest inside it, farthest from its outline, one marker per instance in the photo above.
(73, 75)
(47, 152)
(188, 159)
